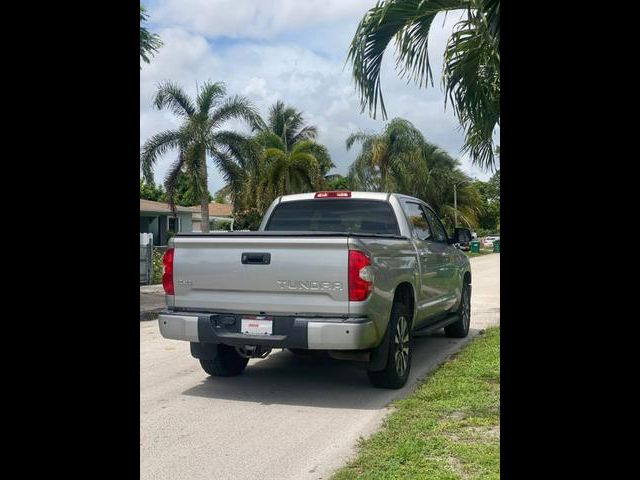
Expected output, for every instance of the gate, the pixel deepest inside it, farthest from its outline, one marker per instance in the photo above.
(146, 258)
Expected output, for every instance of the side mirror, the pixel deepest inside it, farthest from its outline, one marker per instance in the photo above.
(461, 235)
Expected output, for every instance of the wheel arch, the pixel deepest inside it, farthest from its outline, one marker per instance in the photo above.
(405, 293)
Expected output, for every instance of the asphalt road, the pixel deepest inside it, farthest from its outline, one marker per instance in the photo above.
(285, 417)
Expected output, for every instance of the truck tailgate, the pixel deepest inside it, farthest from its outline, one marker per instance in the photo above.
(299, 274)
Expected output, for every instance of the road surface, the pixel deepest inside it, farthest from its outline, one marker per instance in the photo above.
(285, 417)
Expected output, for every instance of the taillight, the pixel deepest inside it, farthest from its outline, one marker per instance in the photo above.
(360, 276)
(167, 276)
(333, 194)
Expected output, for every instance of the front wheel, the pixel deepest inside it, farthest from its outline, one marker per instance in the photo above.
(460, 329)
(396, 370)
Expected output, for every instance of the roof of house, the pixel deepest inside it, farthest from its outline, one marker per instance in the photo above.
(160, 207)
(215, 210)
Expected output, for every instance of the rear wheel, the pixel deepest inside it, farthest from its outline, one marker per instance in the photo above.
(460, 329)
(302, 352)
(228, 362)
(396, 370)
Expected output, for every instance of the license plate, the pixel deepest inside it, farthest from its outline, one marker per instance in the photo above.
(257, 325)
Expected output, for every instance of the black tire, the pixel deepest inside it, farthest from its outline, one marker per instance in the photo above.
(302, 352)
(227, 363)
(396, 371)
(460, 329)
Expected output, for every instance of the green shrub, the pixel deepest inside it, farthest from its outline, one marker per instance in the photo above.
(157, 266)
(247, 219)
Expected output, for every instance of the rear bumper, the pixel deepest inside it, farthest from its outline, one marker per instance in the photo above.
(313, 333)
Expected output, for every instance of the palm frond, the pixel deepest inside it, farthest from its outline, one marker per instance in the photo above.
(322, 156)
(270, 140)
(236, 107)
(409, 22)
(170, 95)
(171, 180)
(232, 173)
(471, 77)
(309, 132)
(149, 42)
(360, 137)
(208, 96)
(155, 147)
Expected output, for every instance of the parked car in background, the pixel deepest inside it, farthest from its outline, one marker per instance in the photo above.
(488, 241)
(465, 237)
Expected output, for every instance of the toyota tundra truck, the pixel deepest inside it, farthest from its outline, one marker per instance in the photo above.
(355, 274)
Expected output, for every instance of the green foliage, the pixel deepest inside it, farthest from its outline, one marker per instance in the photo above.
(186, 194)
(489, 219)
(149, 42)
(149, 191)
(399, 159)
(247, 219)
(157, 266)
(280, 158)
(219, 198)
(223, 225)
(287, 123)
(449, 428)
(200, 137)
(471, 73)
(337, 182)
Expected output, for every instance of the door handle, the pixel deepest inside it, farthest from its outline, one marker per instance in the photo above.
(256, 258)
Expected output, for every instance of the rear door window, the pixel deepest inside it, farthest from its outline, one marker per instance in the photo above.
(439, 233)
(417, 220)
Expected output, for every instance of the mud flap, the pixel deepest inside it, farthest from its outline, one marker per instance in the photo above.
(204, 351)
(380, 354)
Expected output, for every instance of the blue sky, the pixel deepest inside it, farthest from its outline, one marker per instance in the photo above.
(293, 51)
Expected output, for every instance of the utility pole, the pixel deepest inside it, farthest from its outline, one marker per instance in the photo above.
(455, 205)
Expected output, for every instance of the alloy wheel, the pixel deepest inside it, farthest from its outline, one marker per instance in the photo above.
(401, 340)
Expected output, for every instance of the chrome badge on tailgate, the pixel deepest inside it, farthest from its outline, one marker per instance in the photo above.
(311, 285)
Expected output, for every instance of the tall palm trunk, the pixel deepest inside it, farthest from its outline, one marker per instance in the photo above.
(204, 195)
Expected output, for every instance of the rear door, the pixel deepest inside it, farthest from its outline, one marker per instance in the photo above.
(448, 279)
(432, 264)
(280, 274)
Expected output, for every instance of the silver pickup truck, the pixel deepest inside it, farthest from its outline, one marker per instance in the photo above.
(353, 273)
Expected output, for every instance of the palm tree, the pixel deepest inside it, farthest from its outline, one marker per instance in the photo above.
(262, 168)
(289, 125)
(471, 75)
(400, 160)
(149, 42)
(199, 136)
(294, 170)
(384, 154)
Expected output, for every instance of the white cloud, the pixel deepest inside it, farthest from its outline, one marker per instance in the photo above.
(298, 68)
(258, 19)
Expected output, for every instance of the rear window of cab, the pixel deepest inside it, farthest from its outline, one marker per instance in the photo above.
(335, 215)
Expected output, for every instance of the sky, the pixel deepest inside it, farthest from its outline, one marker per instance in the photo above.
(292, 51)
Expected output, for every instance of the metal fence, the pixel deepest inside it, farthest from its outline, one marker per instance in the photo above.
(146, 258)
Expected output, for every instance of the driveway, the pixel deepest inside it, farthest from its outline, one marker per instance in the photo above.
(285, 417)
